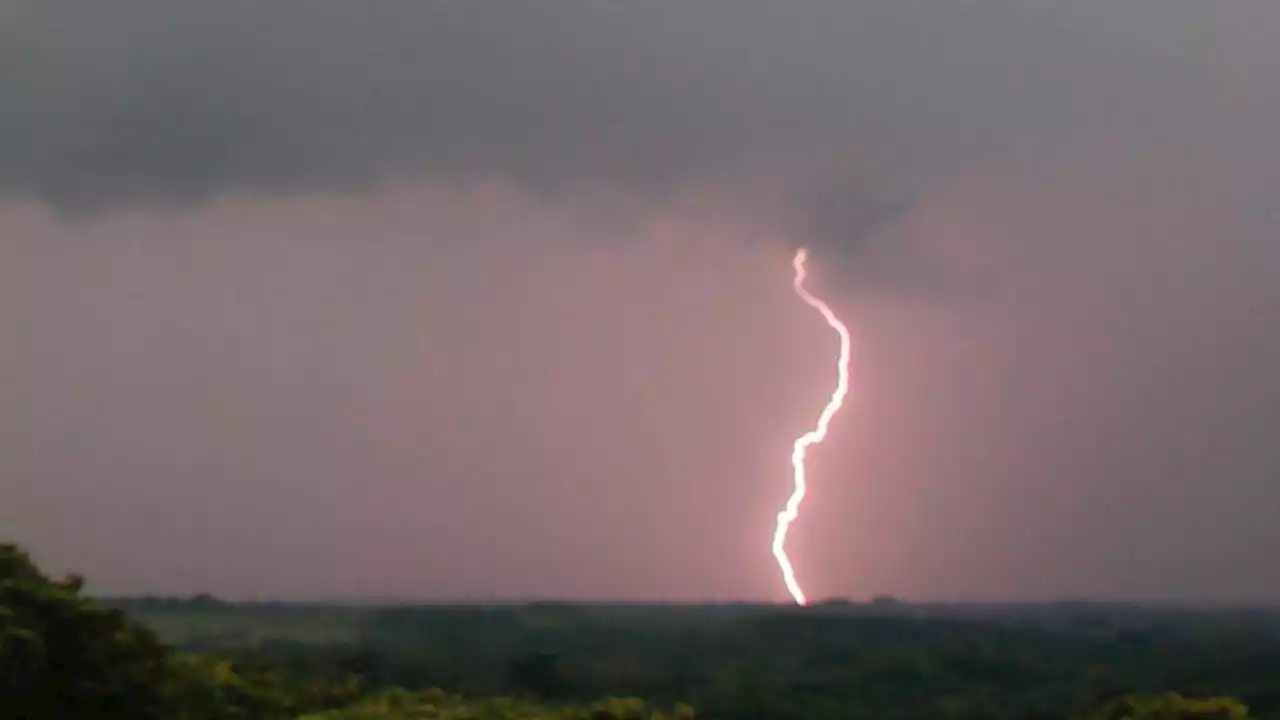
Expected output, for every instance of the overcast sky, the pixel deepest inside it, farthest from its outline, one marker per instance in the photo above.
(463, 299)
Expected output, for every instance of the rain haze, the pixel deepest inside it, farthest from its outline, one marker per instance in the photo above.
(490, 300)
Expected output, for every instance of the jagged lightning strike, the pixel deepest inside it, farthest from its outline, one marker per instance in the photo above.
(812, 437)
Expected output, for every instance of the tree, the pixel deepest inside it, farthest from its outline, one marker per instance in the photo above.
(1172, 706)
(539, 674)
(64, 655)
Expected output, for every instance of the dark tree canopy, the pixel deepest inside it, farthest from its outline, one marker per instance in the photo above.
(63, 655)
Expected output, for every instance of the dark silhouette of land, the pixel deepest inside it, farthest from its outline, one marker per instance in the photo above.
(834, 659)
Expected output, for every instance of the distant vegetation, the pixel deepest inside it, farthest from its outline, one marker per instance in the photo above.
(63, 655)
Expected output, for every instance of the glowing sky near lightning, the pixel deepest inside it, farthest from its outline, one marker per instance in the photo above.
(812, 437)
(492, 300)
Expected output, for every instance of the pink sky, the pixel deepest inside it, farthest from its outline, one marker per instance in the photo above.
(451, 300)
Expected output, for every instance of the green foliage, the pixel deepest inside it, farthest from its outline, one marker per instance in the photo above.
(1172, 706)
(400, 704)
(64, 655)
(837, 662)
(539, 674)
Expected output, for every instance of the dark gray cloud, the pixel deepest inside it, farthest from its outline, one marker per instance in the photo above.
(862, 106)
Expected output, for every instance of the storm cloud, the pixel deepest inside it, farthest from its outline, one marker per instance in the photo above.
(854, 109)
(491, 299)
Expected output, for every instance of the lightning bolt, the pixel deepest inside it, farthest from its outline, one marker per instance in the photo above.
(812, 437)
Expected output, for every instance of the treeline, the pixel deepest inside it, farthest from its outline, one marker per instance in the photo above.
(739, 663)
(64, 656)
